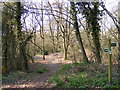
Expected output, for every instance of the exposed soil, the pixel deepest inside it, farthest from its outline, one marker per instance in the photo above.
(37, 80)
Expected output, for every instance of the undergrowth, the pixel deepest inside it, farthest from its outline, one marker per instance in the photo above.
(42, 70)
(80, 75)
(12, 77)
(16, 76)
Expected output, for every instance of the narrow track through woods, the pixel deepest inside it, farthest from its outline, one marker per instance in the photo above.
(37, 80)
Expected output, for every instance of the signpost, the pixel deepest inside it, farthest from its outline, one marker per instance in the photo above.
(109, 51)
(109, 62)
(106, 50)
(113, 44)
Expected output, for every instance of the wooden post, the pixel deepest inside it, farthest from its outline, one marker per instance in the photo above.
(109, 63)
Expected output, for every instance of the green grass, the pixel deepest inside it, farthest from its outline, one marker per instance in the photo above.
(80, 75)
(42, 70)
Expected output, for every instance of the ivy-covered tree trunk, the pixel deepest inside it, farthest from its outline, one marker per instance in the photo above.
(22, 44)
(8, 39)
(5, 58)
(97, 46)
(78, 36)
(25, 61)
(91, 12)
(95, 31)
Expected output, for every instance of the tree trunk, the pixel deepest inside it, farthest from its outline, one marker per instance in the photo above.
(34, 42)
(52, 35)
(57, 47)
(5, 58)
(19, 33)
(119, 38)
(96, 41)
(78, 36)
(65, 53)
(119, 51)
(43, 49)
(25, 63)
(43, 38)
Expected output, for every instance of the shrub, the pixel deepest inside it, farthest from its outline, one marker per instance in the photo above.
(46, 52)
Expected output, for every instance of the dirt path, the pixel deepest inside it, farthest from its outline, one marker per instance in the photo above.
(52, 63)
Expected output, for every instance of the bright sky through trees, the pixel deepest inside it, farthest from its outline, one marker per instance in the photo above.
(111, 5)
